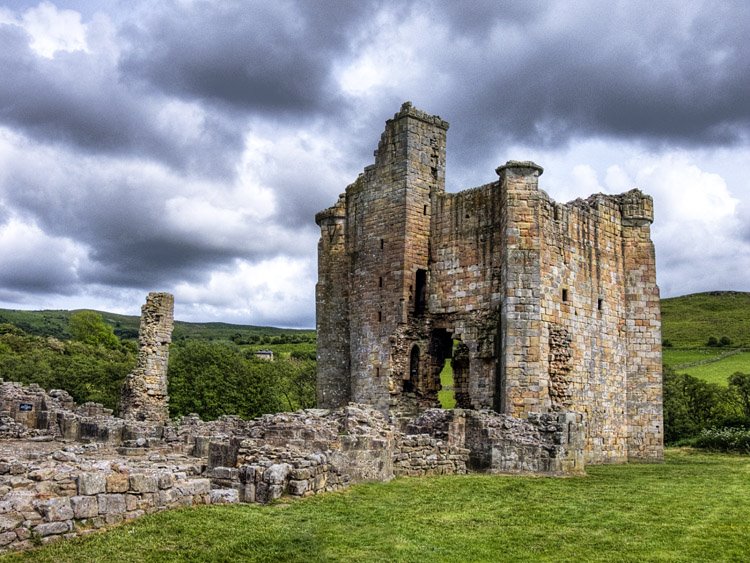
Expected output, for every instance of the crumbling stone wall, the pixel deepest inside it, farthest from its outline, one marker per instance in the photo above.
(62, 494)
(144, 396)
(316, 450)
(553, 307)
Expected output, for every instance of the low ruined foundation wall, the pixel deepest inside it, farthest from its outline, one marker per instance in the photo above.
(60, 497)
(419, 455)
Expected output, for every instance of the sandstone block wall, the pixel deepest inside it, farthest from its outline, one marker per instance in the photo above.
(144, 396)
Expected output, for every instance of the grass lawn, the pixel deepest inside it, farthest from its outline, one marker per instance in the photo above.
(673, 357)
(694, 507)
(446, 395)
(718, 372)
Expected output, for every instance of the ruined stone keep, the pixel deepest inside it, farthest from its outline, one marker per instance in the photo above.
(542, 307)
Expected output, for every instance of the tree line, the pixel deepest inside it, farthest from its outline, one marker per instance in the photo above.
(207, 378)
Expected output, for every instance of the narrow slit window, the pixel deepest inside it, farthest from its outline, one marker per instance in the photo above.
(420, 294)
(380, 316)
(424, 210)
(380, 282)
(382, 243)
(599, 303)
(564, 294)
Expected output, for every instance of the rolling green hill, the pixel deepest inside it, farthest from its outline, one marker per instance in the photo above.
(55, 323)
(689, 321)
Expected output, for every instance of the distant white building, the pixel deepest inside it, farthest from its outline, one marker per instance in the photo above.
(264, 355)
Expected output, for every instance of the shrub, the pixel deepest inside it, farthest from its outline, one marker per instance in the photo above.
(725, 341)
(724, 440)
(712, 341)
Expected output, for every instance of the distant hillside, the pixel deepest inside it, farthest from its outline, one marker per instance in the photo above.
(689, 321)
(55, 323)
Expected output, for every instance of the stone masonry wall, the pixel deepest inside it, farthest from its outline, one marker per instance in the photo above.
(58, 495)
(144, 396)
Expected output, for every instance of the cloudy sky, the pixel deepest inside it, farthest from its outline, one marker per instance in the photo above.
(185, 146)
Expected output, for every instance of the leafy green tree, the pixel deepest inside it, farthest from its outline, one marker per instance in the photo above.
(89, 327)
(88, 372)
(740, 383)
(691, 405)
(214, 379)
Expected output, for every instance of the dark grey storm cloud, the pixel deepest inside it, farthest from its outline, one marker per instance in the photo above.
(123, 165)
(675, 74)
(81, 100)
(255, 56)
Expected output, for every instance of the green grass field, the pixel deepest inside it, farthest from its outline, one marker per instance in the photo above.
(676, 358)
(694, 507)
(446, 395)
(718, 372)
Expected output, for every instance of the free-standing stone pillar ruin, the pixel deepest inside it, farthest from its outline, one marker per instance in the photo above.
(144, 396)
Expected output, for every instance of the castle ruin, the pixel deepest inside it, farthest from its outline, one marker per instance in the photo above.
(542, 307)
(144, 395)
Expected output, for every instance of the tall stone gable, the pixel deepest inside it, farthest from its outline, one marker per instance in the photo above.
(541, 306)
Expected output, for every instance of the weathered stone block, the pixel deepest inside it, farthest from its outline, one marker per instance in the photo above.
(85, 506)
(143, 483)
(7, 538)
(224, 496)
(53, 528)
(91, 483)
(117, 483)
(111, 504)
(56, 509)
(10, 521)
(277, 473)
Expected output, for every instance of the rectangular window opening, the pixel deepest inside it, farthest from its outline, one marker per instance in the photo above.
(380, 316)
(564, 294)
(420, 294)
(424, 210)
(599, 303)
(382, 243)
(380, 282)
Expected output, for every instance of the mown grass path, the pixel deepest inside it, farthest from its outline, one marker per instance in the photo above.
(694, 507)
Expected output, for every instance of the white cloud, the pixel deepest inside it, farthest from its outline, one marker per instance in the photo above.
(51, 30)
(279, 290)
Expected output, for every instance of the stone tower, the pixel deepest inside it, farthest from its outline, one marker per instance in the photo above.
(383, 220)
(144, 396)
(541, 306)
